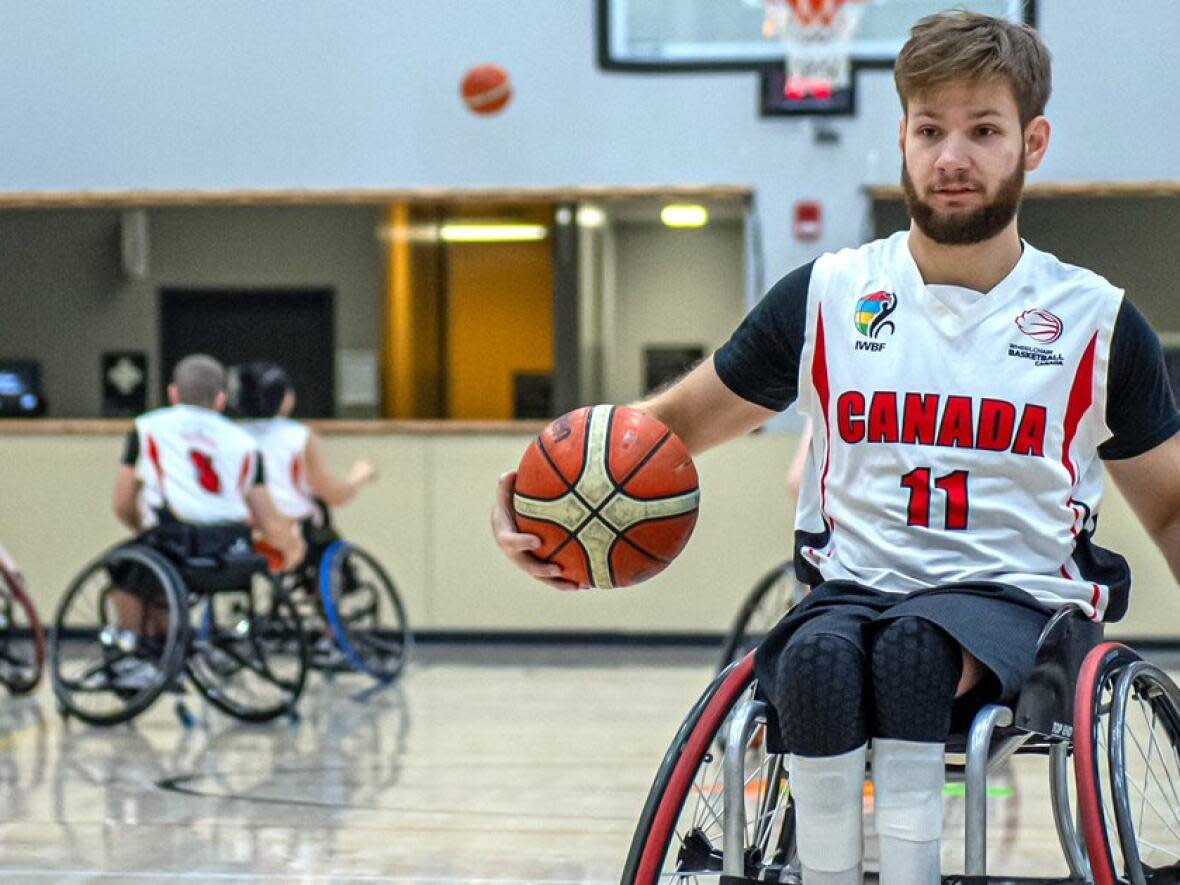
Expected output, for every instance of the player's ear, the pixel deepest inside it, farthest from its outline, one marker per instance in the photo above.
(1036, 141)
(901, 136)
(173, 395)
(219, 401)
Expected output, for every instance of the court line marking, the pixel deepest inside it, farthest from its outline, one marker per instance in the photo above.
(197, 875)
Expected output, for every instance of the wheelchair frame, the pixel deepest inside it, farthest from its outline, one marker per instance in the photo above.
(1052, 712)
(208, 652)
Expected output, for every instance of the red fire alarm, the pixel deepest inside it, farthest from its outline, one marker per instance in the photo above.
(808, 220)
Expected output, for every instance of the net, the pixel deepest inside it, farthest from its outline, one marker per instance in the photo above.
(816, 37)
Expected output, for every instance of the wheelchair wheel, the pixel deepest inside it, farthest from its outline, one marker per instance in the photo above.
(248, 654)
(1093, 708)
(22, 638)
(1144, 750)
(105, 670)
(364, 611)
(681, 832)
(775, 593)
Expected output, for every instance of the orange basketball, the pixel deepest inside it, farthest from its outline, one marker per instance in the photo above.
(486, 89)
(612, 493)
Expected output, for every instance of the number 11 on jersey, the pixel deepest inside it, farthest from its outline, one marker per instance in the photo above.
(953, 485)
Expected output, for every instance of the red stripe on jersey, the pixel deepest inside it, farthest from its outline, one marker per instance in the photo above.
(154, 456)
(297, 472)
(819, 379)
(1081, 397)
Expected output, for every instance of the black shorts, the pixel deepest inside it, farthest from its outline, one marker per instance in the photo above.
(998, 624)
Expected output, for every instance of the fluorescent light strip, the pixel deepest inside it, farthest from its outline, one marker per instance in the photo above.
(684, 215)
(492, 233)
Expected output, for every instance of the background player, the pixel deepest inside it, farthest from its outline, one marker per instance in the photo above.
(297, 473)
(205, 474)
(965, 390)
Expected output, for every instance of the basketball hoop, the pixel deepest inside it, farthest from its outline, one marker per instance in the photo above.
(816, 36)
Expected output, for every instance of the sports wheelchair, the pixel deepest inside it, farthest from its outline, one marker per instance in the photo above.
(22, 638)
(218, 617)
(350, 608)
(720, 808)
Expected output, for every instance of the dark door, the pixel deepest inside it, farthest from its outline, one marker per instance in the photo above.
(292, 327)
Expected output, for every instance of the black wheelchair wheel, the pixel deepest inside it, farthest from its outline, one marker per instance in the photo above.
(248, 653)
(1093, 708)
(106, 671)
(771, 597)
(680, 835)
(1144, 751)
(364, 611)
(22, 638)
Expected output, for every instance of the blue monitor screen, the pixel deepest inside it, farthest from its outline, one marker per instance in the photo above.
(20, 389)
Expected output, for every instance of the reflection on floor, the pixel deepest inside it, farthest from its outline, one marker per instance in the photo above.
(485, 765)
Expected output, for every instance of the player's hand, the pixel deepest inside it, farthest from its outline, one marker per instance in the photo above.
(361, 472)
(518, 546)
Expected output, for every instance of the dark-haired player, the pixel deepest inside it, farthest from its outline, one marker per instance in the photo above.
(298, 475)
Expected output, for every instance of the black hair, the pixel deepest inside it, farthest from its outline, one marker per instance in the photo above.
(260, 389)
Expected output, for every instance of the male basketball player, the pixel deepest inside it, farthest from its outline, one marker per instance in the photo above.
(966, 390)
(297, 472)
(205, 475)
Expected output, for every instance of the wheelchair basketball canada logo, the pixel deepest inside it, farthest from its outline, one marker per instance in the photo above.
(872, 318)
(1040, 325)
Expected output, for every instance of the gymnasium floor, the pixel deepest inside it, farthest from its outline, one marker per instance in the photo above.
(486, 765)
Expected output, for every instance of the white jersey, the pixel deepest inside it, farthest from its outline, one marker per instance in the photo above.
(196, 463)
(956, 433)
(283, 444)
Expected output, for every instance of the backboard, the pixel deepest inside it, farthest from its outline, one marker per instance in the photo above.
(678, 35)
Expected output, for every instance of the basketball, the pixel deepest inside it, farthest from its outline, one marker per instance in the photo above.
(612, 493)
(486, 89)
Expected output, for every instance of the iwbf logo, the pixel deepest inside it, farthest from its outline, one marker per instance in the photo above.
(872, 318)
(1040, 325)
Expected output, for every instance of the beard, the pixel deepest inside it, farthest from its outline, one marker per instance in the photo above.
(965, 228)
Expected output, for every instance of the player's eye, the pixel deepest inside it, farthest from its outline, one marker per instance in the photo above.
(927, 131)
(987, 130)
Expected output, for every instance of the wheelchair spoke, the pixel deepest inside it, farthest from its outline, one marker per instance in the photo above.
(1154, 751)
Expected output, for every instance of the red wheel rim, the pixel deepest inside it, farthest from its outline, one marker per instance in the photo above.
(686, 767)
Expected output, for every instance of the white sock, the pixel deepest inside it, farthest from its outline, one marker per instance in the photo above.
(908, 780)
(829, 800)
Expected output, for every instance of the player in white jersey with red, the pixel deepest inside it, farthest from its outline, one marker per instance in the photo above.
(297, 472)
(968, 392)
(204, 476)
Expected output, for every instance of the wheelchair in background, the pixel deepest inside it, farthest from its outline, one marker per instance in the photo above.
(772, 596)
(219, 618)
(720, 809)
(350, 608)
(22, 638)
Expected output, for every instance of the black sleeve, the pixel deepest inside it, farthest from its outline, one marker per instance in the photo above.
(760, 361)
(131, 449)
(259, 473)
(1140, 410)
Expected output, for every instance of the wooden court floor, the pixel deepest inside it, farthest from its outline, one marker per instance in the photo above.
(485, 765)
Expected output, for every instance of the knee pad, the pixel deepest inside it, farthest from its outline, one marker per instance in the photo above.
(822, 695)
(916, 668)
(908, 779)
(829, 800)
